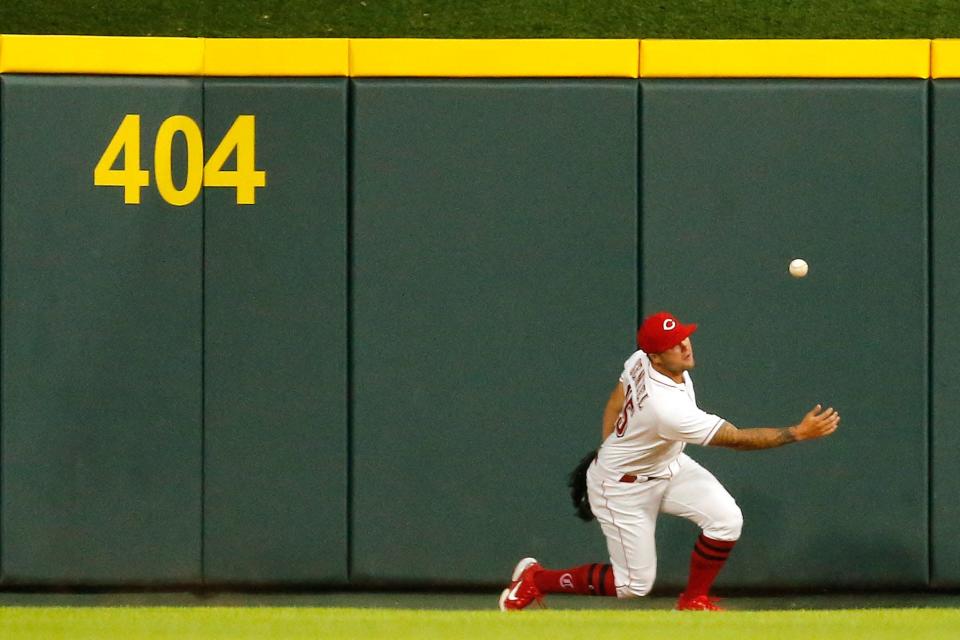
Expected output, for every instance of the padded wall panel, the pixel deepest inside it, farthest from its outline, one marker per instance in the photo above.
(494, 300)
(945, 341)
(276, 432)
(739, 177)
(101, 330)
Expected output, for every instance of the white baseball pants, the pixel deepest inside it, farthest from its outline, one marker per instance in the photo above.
(627, 512)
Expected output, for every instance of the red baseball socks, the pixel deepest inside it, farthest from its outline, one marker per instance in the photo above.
(588, 580)
(707, 559)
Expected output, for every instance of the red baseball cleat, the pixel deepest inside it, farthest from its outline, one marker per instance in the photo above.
(523, 590)
(697, 603)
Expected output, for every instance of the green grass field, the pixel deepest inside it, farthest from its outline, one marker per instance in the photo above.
(490, 18)
(208, 623)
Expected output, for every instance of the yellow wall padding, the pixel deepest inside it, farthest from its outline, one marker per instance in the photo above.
(494, 58)
(101, 55)
(276, 57)
(785, 58)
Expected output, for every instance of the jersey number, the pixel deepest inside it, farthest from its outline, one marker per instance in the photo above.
(628, 410)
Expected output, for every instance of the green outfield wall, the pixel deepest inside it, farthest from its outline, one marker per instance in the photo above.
(102, 329)
(835, 172)
(275, 348)
(520, 237)
(345, 313)
(945, 340)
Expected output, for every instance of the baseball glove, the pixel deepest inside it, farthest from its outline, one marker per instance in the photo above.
(577, 481)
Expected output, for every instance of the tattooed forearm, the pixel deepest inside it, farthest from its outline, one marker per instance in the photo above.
(747, 439)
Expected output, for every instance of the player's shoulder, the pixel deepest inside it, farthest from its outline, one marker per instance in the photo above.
(633, 369)
(635, 358)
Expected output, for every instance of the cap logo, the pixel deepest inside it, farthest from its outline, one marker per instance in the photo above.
(669, 324)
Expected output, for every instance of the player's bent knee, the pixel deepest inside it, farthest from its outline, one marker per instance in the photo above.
(633, 590)
(736, 523)
(634, 582)
(727, 526)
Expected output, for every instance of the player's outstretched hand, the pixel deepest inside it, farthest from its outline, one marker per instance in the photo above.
(817, 423)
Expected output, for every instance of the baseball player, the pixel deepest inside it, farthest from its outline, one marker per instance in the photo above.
(641, 470)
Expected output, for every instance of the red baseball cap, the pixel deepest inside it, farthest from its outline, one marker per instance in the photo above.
(662, 331)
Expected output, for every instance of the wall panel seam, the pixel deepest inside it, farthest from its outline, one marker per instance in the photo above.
(348, 272)
(930, 113)
(203, 358)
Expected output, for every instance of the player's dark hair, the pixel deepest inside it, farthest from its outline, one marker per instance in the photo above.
(577, 481)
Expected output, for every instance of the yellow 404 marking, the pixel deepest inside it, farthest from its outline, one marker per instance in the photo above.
(240, 138)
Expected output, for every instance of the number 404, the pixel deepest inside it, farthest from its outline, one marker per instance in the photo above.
(240, 138)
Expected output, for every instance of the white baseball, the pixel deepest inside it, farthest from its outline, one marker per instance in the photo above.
(798, 268)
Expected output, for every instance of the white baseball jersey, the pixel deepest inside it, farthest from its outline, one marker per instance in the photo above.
(659, 418)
